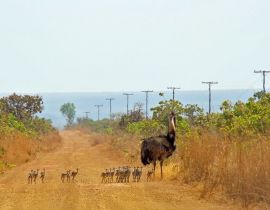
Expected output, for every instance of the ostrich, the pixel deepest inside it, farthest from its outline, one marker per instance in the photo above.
(149, 174)
(30, 176)
(65, 175)
(103, 175)
(159, 148)
(42, 175)
(35, 175)
(74, 174)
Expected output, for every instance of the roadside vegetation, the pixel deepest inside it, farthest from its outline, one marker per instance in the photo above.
(227, 151)
(22, 133)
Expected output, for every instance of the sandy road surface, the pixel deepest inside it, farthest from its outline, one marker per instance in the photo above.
(88, 192)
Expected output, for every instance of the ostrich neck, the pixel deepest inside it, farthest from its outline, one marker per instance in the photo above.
(171, 132)
(171, 129)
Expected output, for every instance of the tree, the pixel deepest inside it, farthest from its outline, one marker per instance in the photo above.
(23, 107)
(136, 115)
(69, 111)
(195, 115)
(162, 111)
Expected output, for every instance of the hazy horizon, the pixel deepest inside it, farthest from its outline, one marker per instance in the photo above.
(135, 91)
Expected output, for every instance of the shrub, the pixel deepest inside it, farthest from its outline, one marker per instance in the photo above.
(145, 128)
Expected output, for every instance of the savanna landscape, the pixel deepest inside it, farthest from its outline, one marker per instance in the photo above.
(220, 160)
(144, 105)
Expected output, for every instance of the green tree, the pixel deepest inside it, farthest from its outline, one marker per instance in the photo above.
(195, 115)
(69, 111)
(162, 111)
(23, 107)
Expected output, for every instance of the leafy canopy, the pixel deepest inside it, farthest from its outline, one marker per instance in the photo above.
(69, 111)
(23, 107)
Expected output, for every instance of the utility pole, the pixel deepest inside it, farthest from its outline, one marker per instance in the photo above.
(209, 86)
(264, 74)
(86, 114)
(128, 94)
(98, 107)
(173, 89)
(146, 101)
(110, 99)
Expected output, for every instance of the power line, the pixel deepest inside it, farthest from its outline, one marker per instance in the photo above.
(173, 89)
(264, 74)
(127, 95)
(210, 95)
(146, 101)
(86, 114)
(98, 107)
(110, 99)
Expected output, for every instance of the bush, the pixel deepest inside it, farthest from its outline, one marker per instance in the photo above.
(145, 128)
(244, 119)
(101, 126)
(41, 126)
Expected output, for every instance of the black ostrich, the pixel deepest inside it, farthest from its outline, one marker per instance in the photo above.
(159, 148)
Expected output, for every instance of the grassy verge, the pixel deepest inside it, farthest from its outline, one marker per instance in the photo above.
(17, 148)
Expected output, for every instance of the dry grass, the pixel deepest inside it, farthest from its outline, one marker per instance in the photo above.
(18, 148)
(50, 142)
(120, 142)
(238, 167)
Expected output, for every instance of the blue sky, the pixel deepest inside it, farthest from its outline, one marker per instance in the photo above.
(117, 45)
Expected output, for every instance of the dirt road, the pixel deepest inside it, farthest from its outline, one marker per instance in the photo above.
(87, 192)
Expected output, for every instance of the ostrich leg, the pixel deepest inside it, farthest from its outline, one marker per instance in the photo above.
(161, 172)
(155, 168)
